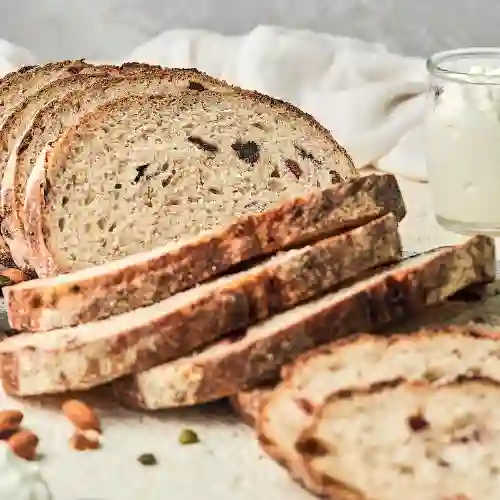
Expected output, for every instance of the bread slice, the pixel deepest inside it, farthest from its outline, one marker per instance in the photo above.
(52, 117)
(177, 164)
(92, 354)
(413, 441)
(249, 404)
(146, 278)
(436, 355)
(256, 355)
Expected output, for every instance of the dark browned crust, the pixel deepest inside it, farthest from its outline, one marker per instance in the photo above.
(297, 220)
(233, 305)
(400, 293)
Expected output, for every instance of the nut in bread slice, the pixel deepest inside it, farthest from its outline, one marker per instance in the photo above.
(143, 279)
(177, 165)
(257, 354)
(393, 440)
(95, 353)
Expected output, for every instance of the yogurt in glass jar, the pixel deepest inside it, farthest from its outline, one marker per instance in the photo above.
(463, 139)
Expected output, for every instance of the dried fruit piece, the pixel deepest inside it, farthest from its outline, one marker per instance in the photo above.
(81, 415)
(147, 459)
(85, 440)
(24, 444)
(188, 436)
(10, 420)
(294, 168)
(202, 144)
(249, 151)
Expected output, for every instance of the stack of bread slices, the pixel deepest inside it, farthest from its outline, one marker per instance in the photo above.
(191, 239)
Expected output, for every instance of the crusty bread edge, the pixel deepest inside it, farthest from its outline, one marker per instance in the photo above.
(85, 294)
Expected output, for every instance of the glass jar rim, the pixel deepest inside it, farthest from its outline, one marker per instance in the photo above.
(434, 65)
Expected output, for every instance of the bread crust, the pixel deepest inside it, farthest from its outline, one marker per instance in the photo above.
(248, 405)
(134, 282)
(231, 366)
(235, 301)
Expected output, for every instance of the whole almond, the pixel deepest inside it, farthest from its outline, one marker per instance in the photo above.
(81, 415)
(10, 420)
(24, 444)
(85, 440)
(13, 275)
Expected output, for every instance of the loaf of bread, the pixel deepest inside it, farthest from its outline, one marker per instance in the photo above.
(393, 441)
(92, 354)
(435, 355)
(256, 355)
(176, 165)
(146, 278)
(52, 118)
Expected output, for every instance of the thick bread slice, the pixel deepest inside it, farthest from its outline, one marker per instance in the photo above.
(436, 356)
(177, 164)
(398, 441)
(93, 354)
(146, 278)
(65, 111)
(256, 355)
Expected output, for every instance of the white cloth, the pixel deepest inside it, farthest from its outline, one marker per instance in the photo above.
(373, 101)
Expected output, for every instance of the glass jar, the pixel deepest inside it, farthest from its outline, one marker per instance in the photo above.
(463, 139)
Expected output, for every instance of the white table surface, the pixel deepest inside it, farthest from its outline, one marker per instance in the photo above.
(227, 464)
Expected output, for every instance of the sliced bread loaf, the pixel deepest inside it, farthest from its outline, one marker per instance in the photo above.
(51, 119)
(146, 278)
(178, 165)
(437, 356)
(413, 441)
(92, 354)
(257, 354)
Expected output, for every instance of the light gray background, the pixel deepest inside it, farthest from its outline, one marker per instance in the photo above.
(104, 29)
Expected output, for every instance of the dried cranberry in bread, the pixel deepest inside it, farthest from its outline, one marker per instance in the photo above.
(95, 353)
(434, 355)
(393, 441)
(257, 354)
(176, 165)
(143, 279)
(50, 121)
